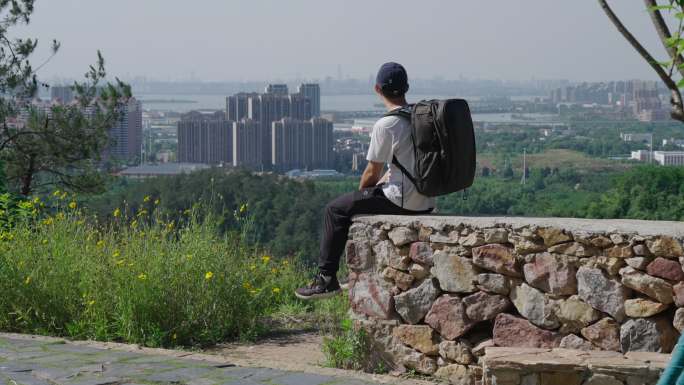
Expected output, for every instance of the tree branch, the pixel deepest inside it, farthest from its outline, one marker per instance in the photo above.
(677, 112)
(664, 33)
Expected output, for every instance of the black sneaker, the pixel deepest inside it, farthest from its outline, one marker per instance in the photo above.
(321, 287)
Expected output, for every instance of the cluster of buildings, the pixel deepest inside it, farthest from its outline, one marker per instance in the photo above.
(638, 98)
(273, 130)
(663, 158)
(125, 135)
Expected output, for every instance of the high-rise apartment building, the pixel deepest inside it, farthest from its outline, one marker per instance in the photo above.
(277, 89)
(312, 91)
(126, 135)
(301, 144)
(237, 106)
(205, 138)
(300, 107)
(62, 94)
(245, 140)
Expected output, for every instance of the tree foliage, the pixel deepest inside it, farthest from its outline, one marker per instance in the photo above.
(671, 70)
(61, 146)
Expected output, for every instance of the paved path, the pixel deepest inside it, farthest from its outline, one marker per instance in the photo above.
(29, 361)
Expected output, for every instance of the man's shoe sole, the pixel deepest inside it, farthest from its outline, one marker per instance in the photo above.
(319, 296)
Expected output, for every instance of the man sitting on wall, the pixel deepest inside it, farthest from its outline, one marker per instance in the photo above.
(392, 193)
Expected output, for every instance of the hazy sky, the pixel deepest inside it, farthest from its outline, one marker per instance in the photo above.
(284, 39)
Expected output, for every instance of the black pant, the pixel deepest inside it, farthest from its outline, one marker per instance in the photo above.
(337, 220)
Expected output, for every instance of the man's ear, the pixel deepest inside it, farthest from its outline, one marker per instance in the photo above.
(378, 90)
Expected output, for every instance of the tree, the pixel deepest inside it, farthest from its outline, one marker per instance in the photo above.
(673, 43)
(62, 146)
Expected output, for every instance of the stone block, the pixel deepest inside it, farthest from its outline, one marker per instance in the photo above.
(639, 263)
(457, 374)
(574, 248)
(575, 314)
(552, 274)
(401, 279)
(665, 246)
(497, 258)
(420, 362)
(535, 306)
(458, 352)
(678, 294)
(448, 317)
(448, 239)
(525, 246)
(518, 332)
(401, 236)
(666, 268)
(601, 242)
(419, 337)
(455, 274)
(643, 308)
(497, 235)
(368, 296)
(605, 334)
(553, 236)
(654, 287)
(641, 250)
(611, 265)
(421, 252)
(359, 255)
(656, 334)
(482, 306)
(414, 304)
(602, 379)
(602, 293)
(565, 378)
(572, 341)
(678, 321)
(387, 254)
(494, 283)
(418, 271)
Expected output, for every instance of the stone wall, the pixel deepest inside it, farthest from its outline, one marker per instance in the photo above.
(434, 292)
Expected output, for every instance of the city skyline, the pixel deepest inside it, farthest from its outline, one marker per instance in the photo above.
(518, 41)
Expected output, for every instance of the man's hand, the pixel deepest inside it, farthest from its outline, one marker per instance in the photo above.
(371, 175)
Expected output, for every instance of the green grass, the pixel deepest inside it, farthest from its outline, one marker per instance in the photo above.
(139, 279)
(348, 348)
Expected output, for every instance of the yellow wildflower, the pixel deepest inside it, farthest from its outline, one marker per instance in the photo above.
(243, 208)
(48, 221)
(60, 215)
(100, 243)
(142, 213)
(286, 262)
(117, 212)
(64, 195)
(44, 241)
(253, 267)
(246, 285)
(274, 270)
(134, 224)
(27, 280)
(56, 193)
(209, 275)
(91, 302)
(146, 198)
(156, 203)
(142, 276)
(73, 205)
(116, 254)
(120, 262)
(170, 226)
(276, 290)
(266, 258)
(36, 200)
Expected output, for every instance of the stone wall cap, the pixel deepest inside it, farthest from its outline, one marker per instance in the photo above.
(599, 226)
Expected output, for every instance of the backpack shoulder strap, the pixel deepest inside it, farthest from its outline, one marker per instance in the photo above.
(404, 112)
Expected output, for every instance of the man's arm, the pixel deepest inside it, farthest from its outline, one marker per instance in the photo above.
(371, 175)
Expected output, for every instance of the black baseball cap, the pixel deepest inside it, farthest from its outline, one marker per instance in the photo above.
(392, 79)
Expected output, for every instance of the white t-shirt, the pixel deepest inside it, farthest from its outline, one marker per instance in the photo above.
(392, 136)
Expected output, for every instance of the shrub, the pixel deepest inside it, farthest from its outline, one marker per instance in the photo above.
(140, 279)
(348, 349)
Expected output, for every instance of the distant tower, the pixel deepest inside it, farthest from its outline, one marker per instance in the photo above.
(63, 94)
